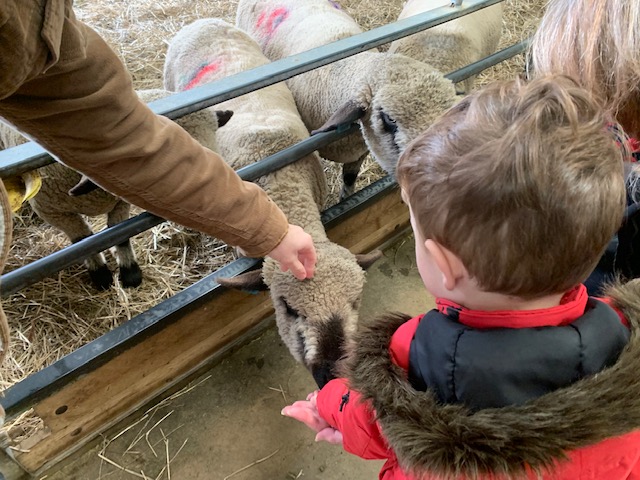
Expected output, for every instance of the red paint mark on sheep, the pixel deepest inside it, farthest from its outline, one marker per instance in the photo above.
(201, 73)
(269, 22)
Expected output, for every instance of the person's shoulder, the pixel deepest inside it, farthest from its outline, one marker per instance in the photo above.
(609, 302)
(401, 342)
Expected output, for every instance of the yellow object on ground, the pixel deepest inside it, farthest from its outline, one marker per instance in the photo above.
(21, 188)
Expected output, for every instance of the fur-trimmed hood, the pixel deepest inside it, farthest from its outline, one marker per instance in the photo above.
(451, 442)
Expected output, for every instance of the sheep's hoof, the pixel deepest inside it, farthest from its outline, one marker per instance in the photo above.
(131, 276)
(101, 277)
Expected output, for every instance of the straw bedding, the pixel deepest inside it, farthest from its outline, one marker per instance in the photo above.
(60, 314)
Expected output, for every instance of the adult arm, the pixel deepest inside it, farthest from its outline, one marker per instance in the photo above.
(73, 95)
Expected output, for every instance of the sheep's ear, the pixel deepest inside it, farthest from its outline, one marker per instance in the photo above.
(365, 260)
(348, 113)
(223, 117)
(84, 186)
(251, 281)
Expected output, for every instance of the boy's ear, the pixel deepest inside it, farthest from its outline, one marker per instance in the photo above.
(448, 263)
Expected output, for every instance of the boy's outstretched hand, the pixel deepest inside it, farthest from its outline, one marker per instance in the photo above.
(306, 411)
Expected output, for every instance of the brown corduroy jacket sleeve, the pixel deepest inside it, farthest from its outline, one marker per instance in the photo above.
(61, 84)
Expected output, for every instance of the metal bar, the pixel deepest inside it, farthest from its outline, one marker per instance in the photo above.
(23, 158)
(487, 62)
(37, 270)
(295, 152)
(274, 72)
(180, 104)
(26, 392)
(29, 274)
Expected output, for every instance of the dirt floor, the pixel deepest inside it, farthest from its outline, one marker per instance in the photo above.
(227, 423)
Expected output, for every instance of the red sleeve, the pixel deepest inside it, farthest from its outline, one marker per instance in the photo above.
(345, 411)
(608, 301)
(401, 342)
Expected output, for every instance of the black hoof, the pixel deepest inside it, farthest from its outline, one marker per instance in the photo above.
(101, 278)
(131, 276)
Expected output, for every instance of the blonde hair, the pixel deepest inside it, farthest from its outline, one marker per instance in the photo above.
(524, 182)
(598, 43)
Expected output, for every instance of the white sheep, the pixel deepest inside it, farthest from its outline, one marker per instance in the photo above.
(454, 44)
(315, 317)
(393, 97)
(56, 206)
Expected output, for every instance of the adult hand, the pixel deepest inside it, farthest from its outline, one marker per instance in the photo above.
(306, 411)
(296, 253)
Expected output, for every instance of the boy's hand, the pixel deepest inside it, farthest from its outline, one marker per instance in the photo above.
(296, 253)
(306, 411)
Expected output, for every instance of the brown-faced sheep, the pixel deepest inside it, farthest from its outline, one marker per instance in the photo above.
(315, 317)
(393, 97)
(454, 44)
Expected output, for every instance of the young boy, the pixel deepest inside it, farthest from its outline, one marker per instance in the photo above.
(597, 42)
(514, 194)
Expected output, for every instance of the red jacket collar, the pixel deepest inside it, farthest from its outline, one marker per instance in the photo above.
(572, 306)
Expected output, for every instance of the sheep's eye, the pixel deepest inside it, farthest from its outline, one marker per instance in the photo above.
(388, 124)
(290, 311)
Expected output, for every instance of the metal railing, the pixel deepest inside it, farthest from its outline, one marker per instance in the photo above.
(35, 271)
(30, 156)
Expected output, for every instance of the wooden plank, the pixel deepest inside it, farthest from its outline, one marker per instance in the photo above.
(83, 408)
(374, 225)
(77, 412)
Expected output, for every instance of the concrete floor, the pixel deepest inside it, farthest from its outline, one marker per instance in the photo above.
(228, 421)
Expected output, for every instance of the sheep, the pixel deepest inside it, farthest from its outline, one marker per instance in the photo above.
(393, 97)
(315, 317)
(454, 44)
(56, 206)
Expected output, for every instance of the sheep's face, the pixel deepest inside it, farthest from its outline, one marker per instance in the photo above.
(406, 103)
(317, 317)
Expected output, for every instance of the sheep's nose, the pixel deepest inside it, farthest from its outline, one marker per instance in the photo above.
(322, 374)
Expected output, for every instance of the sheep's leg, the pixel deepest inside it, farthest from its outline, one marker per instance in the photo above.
(130, 273)
(349, 176)
(77, 229)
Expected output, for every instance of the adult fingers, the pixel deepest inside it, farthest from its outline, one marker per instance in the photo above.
(297, 269)
(309, 259)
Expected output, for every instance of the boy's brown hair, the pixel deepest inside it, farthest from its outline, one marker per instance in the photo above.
(524, 182)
